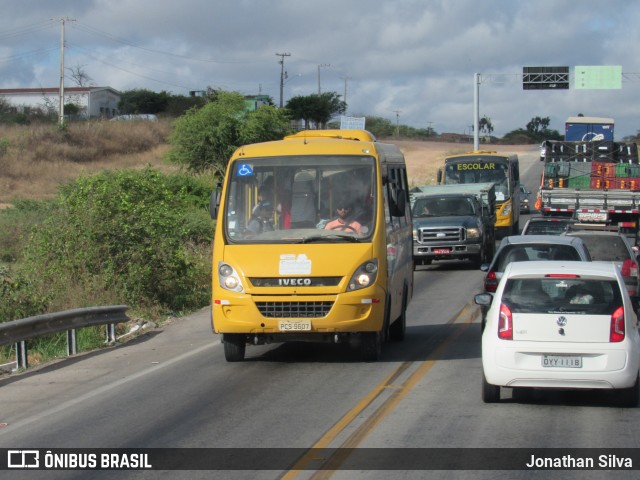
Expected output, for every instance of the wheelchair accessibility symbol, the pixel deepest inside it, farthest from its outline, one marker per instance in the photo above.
(245, 170)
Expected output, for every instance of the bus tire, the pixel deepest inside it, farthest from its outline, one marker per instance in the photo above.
(398, 328)
(234, 347)
(371, 346)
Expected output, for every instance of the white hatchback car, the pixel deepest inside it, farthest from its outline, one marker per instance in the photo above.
(562, 325)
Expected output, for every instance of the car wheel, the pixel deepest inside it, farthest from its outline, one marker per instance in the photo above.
(234, 347)
(490, 393)
(371, 346)
(629, 397)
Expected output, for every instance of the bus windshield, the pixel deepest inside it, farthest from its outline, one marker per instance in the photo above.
(293, 199)
(480, 169)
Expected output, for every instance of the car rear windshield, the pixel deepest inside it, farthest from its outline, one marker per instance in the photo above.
(523, 253)
(606, 248)
(546, 228)
(563, 295)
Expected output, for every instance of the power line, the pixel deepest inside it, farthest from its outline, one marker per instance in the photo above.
(89, 29)
(27, 30)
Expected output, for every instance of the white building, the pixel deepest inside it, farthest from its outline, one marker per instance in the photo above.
(94, 102)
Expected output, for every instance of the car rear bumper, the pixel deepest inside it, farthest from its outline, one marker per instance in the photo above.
(523, 367)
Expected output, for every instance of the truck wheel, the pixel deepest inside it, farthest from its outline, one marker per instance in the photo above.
(371, 346)
(234, 347)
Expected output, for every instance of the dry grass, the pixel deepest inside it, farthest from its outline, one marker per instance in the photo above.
(425, 158)
(36, 160)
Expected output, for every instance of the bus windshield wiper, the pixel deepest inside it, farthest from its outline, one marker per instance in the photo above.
(333, 236)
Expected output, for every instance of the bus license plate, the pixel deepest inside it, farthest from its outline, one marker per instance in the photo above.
(294, 326)
(442, 250)
(561, 361)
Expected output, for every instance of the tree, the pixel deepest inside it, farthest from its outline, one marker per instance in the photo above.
(205, 138)
(143, 101)
(80, 77)
(485, 125)
(538, 124)
(316, 108)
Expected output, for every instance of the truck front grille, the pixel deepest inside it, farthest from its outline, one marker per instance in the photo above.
(294, 309)
(439, 235)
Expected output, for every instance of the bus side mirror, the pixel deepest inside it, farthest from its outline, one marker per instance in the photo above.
(439, 176)
(214, 202)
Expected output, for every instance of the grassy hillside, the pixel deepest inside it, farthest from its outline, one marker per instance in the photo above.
(36, 159)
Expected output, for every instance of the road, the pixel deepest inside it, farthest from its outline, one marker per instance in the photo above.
(172, 388)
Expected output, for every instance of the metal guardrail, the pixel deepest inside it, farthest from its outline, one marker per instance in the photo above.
(19, 331)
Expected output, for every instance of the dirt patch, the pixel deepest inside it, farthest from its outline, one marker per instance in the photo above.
(425, 158)
(38, 182)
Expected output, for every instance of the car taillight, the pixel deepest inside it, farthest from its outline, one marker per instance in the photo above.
(629, 268)
(617, 330)
(505, 323)
(490, 282)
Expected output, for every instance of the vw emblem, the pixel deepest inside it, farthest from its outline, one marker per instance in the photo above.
(562, 321)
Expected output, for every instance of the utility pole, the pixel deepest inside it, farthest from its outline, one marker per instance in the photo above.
(283, 74)
(61, 107)
(346, 79)
(322, 65)
(397, 112)
(429, 129)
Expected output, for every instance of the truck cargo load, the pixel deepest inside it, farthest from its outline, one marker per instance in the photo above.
(595, 181)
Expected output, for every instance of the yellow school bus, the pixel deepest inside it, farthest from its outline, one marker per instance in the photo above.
(490, 166)
(313, 242)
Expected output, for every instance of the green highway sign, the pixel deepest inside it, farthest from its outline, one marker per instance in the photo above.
(597, 77)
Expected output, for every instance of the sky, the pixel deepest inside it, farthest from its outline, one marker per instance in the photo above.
(409, 61)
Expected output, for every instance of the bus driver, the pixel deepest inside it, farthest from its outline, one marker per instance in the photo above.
(343, 222)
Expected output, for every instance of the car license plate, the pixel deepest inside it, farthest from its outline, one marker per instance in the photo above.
(592, 216)
(441, 250)
(561, 361)
(294, 326)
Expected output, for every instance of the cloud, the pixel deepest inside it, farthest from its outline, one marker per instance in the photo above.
(416, 57)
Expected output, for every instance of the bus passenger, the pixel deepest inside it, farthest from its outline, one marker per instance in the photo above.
(343, 221)
(262, 221)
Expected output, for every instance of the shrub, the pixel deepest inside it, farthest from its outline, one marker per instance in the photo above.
(138, 236)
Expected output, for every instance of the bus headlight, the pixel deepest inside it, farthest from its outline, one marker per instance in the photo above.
(506, 210)
(364, 276)
(228, 278)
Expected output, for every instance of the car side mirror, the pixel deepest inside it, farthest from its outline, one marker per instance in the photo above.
(483, 299)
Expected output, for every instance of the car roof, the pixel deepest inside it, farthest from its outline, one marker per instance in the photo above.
(599, 233)
(546, 267)
(551, 219)
(550, 239)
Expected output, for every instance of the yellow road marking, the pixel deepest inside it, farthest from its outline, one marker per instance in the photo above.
(466, 316)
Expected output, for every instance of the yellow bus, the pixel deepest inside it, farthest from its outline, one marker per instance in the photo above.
(313, 242)
(490, 166)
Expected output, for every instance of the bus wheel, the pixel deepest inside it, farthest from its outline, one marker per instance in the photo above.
(234, 347)
(371, 346)
(399, 327)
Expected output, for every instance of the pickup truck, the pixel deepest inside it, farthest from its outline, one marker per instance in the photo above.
(454, 222)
